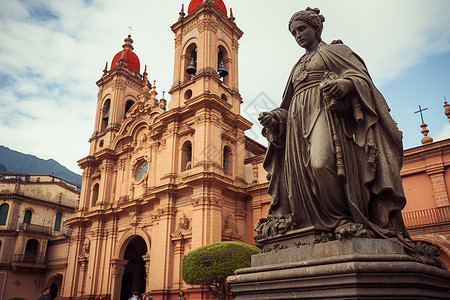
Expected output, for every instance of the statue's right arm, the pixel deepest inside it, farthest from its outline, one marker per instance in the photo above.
(274, 126)
(267, 119)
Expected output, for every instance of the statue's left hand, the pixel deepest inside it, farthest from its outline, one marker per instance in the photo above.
(337, 88)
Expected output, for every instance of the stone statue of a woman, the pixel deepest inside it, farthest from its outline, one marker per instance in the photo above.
(335, 153)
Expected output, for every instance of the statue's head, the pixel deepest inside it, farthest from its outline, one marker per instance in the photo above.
(312, 17)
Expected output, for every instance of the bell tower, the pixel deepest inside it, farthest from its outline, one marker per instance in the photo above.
(205, 110)
(206, 54)
(118, 91)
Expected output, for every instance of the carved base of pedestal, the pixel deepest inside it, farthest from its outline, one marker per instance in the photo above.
(351, 269)
(294, 238)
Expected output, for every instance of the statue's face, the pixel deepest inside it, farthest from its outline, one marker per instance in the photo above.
(304, 34)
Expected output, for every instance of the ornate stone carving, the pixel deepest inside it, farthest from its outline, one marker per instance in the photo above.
(229, 228)
(184, 227)
(85, 248)
(135, 218)
(162, 145)
(190, 26)
(186, 129)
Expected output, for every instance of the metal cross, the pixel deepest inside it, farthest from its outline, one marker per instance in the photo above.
(420, 111)
(129, 32)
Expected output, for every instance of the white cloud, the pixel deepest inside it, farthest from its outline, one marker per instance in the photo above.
(53, 51)
(444, 133)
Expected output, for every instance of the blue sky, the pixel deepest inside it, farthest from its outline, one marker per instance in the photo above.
(53, 52)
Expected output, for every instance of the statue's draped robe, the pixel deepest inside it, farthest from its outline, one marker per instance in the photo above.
(301, 159)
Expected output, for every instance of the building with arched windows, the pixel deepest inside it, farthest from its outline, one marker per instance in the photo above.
(33, 240)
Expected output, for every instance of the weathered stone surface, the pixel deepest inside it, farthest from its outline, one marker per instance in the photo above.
(293, 238)
(328, 250)
(350, 269)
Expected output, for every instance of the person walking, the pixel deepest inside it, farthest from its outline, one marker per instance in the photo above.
(181, 294)
(46, 295)
(135, 296)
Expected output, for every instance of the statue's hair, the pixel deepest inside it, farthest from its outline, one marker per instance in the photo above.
(312, 17)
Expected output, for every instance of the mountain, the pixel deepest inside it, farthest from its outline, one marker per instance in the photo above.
(12, 161)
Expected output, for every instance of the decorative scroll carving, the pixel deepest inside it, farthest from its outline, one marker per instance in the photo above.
(184, 228)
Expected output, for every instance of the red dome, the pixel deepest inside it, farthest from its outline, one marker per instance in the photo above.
(218, 3)
(130, 57)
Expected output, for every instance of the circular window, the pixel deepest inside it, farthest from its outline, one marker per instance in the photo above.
(141, 169)
(188, 94)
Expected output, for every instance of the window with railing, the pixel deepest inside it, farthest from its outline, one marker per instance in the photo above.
(31, 251)
(28, 259)
(35, 228)
(427, 216)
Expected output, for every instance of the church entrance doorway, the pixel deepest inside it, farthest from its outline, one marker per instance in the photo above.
(134, 276)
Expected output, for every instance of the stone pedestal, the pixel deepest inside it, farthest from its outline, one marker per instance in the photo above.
(351, 269)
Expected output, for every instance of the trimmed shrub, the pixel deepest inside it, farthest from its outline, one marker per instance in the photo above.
(211, 265)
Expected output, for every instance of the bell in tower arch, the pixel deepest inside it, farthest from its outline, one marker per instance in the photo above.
(221, 68)
(106, 117)
(192, 68)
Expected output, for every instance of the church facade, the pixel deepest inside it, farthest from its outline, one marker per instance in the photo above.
(163, 179)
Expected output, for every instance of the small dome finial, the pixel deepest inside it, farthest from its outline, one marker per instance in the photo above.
(163, 102)
(128, 43)
(145, 72)
(182, 14)
(154, 92)
(232, 18)
(426, 139)
(447, 109)
(105, 70)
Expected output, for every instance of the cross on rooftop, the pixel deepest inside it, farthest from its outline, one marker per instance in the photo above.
(130, 29)
(420, 111)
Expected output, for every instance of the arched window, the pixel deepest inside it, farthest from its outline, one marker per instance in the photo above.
(94, 194)
(31, 251)
(3, 213)
(105, 115)
(227, 160)
(58, 222)
(186, 156)
(128, 105)
(27, 217)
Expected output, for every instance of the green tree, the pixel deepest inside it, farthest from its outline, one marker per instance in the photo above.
(209, 266)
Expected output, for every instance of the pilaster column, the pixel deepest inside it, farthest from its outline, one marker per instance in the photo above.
(84, 263)
(146, 258)
(256, 209)
(440, 191)
(118, 267)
